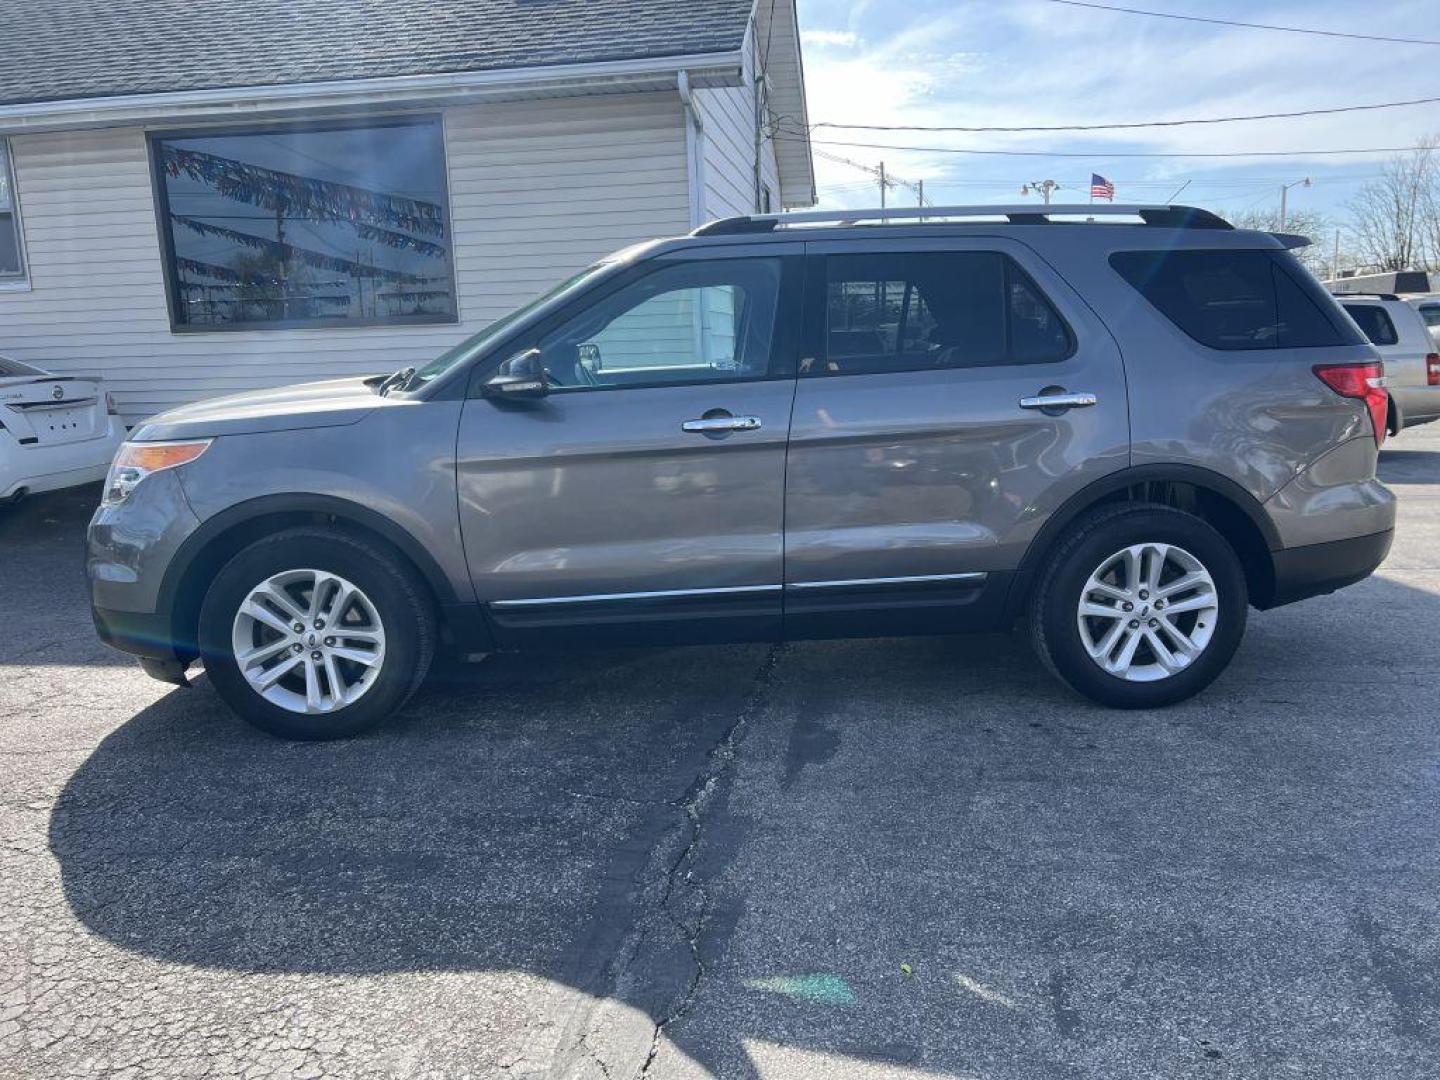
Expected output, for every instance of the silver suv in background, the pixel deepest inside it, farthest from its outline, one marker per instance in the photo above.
(1412, 359)
(1124, 431)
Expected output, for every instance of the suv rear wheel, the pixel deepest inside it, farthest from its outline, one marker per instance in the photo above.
(316, 633)
(1141, 606)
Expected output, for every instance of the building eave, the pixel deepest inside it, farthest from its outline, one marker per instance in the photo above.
(248, 102)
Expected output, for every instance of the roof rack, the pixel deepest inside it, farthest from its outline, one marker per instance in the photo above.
(1171, 217)
(1364, 295)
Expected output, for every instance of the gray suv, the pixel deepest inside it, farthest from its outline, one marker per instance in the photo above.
(1122, 427)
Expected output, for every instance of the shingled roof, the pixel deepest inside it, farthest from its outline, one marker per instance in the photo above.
(65, 49)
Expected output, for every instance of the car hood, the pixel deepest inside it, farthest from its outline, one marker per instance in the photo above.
(332, 403)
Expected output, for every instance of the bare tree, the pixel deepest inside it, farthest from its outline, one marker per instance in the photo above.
(1311, 224)
(1393, 219)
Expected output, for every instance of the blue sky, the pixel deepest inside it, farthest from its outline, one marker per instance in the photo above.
(1031, 62)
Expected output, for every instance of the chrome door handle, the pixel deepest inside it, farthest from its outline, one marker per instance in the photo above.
(1059, 401)
(721, 423)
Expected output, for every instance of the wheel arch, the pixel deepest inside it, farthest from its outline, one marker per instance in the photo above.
(1229, 508)
(221, 537)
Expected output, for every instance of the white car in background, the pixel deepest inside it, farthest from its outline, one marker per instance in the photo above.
(1412, 359)
(56, 431)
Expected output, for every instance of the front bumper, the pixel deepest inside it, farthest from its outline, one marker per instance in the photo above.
(143, 634)
(1315, 569)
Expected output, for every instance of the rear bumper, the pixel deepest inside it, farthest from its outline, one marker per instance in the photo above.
(1315, 569)
(1415, 405)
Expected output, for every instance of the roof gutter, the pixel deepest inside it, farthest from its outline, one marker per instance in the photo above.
(612, 76)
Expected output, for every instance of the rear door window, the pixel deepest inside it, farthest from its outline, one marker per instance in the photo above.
(916, 311)
(1375, 321)
(1236, 300)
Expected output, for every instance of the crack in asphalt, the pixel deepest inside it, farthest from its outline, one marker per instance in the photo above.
(719, 764)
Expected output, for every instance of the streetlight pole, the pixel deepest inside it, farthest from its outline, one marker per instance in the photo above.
(1284, 194)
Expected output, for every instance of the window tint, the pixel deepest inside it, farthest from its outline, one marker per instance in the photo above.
(920, 310)
(286, 226)
(691, 322)
(12, 262)
(1431, 315)
(1236, 299)
(1375, 322)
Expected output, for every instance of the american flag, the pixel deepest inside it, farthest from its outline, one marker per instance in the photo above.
(1100, 188)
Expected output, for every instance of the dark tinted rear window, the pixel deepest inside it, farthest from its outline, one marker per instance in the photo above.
(1237, 299)
(1375, 322)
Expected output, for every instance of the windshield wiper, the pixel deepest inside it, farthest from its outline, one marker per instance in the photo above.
(400, 380)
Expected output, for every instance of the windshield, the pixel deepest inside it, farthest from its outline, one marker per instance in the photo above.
(11, 368)
(477, 343)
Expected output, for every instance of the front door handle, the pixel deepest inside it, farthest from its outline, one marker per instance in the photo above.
(1058, 402)
(712, 424)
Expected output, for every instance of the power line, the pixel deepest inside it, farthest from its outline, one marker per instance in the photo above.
(1246, 25)
(1111, 154)
(1138, 124)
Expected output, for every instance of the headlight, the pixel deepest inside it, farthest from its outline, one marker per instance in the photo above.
(135, 461)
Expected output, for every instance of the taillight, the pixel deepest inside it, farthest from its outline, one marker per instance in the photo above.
(1432, 369)
(1365, 382)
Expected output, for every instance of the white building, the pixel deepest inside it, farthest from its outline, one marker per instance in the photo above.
(283, 190)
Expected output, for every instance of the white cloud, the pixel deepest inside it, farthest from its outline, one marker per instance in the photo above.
(839, 39)
(1027, 63)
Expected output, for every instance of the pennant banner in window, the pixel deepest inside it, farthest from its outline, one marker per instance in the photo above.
(304, 197)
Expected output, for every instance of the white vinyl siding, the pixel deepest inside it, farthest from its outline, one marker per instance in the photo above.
(728, 150)
(538, 189)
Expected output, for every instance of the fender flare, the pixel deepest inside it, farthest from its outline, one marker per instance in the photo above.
(1095, 492)
(212, 528)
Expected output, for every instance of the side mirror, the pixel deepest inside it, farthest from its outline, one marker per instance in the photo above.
(521, 378)
(588, 356)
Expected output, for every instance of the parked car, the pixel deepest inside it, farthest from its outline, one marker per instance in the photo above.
(1412, 363)
(1124, 432)
(1429, 308)
(56, 431)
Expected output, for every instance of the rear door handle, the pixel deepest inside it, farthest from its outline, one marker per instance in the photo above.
(1058, 402)
(721, 423)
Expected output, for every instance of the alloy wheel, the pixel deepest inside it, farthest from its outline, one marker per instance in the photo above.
(1148, 612)
(308, 641)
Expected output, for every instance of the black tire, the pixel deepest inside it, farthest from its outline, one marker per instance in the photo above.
(1054, 628)
(393, 587)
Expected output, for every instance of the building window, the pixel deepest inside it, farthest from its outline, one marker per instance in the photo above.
(342, 224)
(12, 249)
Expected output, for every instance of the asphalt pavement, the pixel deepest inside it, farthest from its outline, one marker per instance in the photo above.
(884, 858)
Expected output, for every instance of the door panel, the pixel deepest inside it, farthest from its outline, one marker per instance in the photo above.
(939, 473)
(594, 516)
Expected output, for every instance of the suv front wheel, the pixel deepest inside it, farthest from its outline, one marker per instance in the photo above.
(316, 633)
(1141, 606)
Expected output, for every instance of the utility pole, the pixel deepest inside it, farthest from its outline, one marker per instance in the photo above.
(1335, 258)
(920, 193)
(1284, 194)
(1044, 188)
(882, 185)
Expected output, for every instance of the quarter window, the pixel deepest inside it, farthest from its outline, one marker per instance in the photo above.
(1237, 300)
(342, 224)
(922, 310)
(1375, 322)
(12, 252)
(684, 323)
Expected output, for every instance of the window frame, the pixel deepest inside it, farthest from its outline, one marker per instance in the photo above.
(166, 235)
(784, 344)
(817, 306)
(20, 281)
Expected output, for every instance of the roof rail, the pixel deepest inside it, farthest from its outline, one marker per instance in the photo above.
(1173, 217)
(1364, 295)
